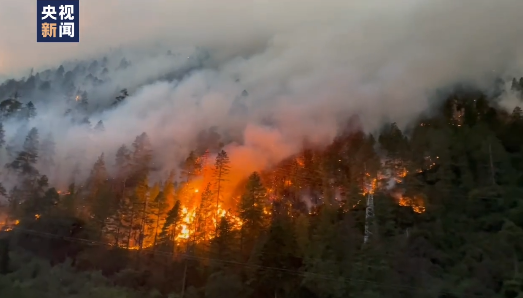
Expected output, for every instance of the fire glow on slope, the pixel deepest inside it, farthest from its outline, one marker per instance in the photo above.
(415, 203)
(195, 226)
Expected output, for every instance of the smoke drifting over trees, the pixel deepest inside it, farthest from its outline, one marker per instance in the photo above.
(236, 146)
(303, 73)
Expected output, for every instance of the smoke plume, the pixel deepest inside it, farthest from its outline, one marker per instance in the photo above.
(306, 66)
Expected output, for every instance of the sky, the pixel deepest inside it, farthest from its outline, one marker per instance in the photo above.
(307, 64)
(111, 23)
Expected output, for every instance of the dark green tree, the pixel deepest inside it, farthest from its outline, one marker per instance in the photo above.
(221, 170)
(99, 126)
(47, 153)
(170, 226)
(142, 154)
(190, 167)
(2, 135)
(120, 98)
(4, 256)
(251, 212)
(25, 162)
(29, 111)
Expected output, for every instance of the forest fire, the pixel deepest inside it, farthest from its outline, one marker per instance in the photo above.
(191, 224)
(204, 198)
(192, 227)
(7, 225)
(186, 227)
(371, 188)
(417, 205)
(401, 174)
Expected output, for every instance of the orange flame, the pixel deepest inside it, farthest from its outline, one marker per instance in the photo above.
(417, 205)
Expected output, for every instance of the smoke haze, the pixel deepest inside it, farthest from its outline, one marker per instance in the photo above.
(306, 66)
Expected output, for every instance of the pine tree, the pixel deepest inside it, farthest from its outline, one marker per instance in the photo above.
(154, 191)
(251, 211)
(142, 153)
(138, 204)
(168, 190)
(325, 255)
(190, 167)
(85, 122)
(123, 162)
(119, 224)
(279, 251)
(515, 85)
(99, 126)
(59, 72)
(47, 153)
(170, 226)
(204, 215)
(98, 174)
(396, 147)
(68, 203)
(222, 275)
(223, 243)
(2, 135)
(40, 199)
(154, 214)
(221, 170)
(3, 191)
(103, 207)
(156, 209)
(302, 226)
(4, 256)
(517, 114)
(120, 98)
(84, 102)
(25, 162)
(138, 181)
(10, 107)
(16, 95)
(77, 170)
(30, 110)
(120, 227)
(16, 141)
(49, 200)
(31, 145)
(15, 198)
(123, 64)
(96, 182)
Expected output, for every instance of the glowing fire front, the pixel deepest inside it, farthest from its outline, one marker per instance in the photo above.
(416, 204)
(190, 229)
(186, 227)
(370, 188)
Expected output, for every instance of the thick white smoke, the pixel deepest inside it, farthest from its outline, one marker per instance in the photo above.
(306, 65)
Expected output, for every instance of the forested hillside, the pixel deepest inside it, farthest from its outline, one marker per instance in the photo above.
(446, 220)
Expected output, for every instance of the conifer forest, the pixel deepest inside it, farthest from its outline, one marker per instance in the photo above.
(433, 210)
(264, 149)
